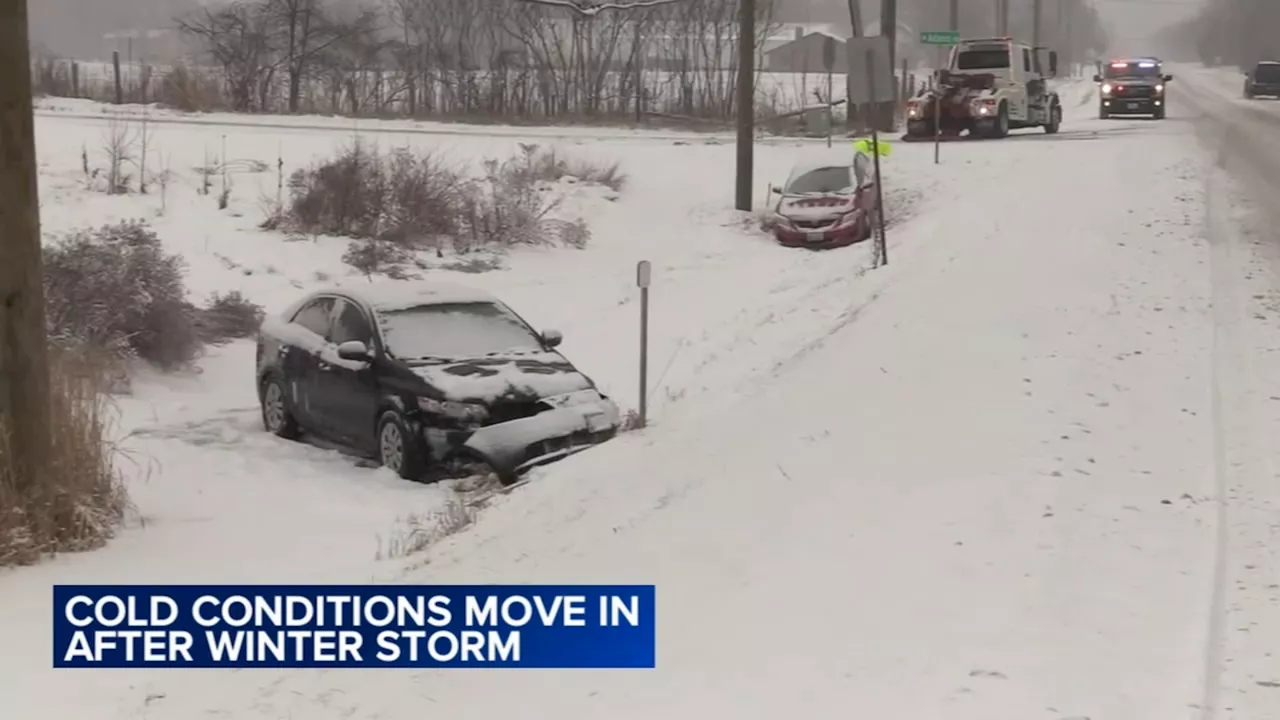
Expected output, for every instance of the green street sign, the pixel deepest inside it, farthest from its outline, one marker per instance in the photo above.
(940, 37)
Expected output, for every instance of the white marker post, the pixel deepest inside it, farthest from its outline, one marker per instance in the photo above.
(643, 272)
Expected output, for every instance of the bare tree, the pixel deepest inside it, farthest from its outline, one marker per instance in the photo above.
(117, 143)
(144, 141)
(591, 8)
(239, 39)
(304, 29)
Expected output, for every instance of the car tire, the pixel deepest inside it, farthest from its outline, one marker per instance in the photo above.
(399, 447)
(1103, 114)
(277, 415)
(1001, 127)
(1158, 115)
(920, 129)
(1055, 120)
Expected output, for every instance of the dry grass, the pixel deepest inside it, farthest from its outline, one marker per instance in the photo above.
(552, 165)
(418, 532)
(81, 499)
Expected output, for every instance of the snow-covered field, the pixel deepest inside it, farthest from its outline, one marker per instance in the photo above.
(978, 483)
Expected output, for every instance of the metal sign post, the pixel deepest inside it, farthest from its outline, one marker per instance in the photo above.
(937, 123)
(939, 38)
(882, 250)
(643, 271)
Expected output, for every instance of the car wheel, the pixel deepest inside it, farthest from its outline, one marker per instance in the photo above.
(1055, 120)
(1159, 114)
(399, 448)
(1002, 121)
(277, 418)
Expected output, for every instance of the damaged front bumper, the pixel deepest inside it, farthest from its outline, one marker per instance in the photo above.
(575, 422)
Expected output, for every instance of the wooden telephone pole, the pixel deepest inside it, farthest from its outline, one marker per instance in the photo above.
(24, 373)
(746, 102)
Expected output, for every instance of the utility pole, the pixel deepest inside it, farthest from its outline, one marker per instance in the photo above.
(855, 17)
(1002, 18)
(853, 115)
(746, 103)
(24, 378)
(955, 16)
(1037, 12)
(889, 28)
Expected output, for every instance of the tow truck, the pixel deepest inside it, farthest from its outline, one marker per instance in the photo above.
(1132, 86)
(989, 87)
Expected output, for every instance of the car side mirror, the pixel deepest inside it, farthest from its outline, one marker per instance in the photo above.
(775, 189)
(552, 338)
(354, 350)
(1097, 78)
(1168, 78)
(1053, 64)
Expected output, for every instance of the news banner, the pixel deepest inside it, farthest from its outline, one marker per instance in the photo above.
(354, 626)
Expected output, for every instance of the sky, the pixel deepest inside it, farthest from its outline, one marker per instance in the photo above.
(1134, 24)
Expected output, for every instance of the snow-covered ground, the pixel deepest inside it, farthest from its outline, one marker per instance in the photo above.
(1244, 219)
(978, 483)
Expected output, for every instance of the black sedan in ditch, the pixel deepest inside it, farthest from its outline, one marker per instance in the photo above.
(425, 376)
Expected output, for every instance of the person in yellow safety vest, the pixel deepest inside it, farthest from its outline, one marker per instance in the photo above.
(867, 146)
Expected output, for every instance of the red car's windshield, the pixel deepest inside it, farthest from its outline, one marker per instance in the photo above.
(838, 179)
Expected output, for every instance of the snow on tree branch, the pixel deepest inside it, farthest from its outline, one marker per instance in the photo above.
(591, 8)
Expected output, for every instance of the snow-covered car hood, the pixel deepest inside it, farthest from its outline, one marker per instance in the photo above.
(815, 207)
(525, 374)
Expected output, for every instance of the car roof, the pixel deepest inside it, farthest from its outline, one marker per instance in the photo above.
(1269, 62)
(392, 295)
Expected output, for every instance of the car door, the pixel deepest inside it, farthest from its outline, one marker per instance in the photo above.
(348, 392)
(301, 359)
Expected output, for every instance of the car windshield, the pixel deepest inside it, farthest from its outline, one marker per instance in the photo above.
(1267, 74)
(994, 58)
(834, 179)
(455, 330)
(1116, 71)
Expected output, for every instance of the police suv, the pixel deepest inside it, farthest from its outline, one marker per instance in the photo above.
(1132, 86)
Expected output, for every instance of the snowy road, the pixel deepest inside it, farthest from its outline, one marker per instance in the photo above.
(1243, 223)
(980, 483)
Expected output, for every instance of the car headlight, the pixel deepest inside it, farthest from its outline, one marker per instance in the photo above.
(472, 412)
(780, 219)
(1159, 88)
(1106, 88)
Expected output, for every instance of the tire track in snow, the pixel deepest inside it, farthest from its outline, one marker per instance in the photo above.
(1224, 309)
(1244, 467)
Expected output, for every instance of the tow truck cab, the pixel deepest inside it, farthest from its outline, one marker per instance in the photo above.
(1132, 86)
(1009, 81)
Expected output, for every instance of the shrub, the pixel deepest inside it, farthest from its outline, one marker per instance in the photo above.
(80, 499)
(551, 166)
(228, 317)
(116, 289)
(371, 256)
(401, 197)
(189, 91)
(415, 201)
(511, 206)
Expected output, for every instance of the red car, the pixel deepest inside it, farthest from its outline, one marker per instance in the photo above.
(827, 203)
